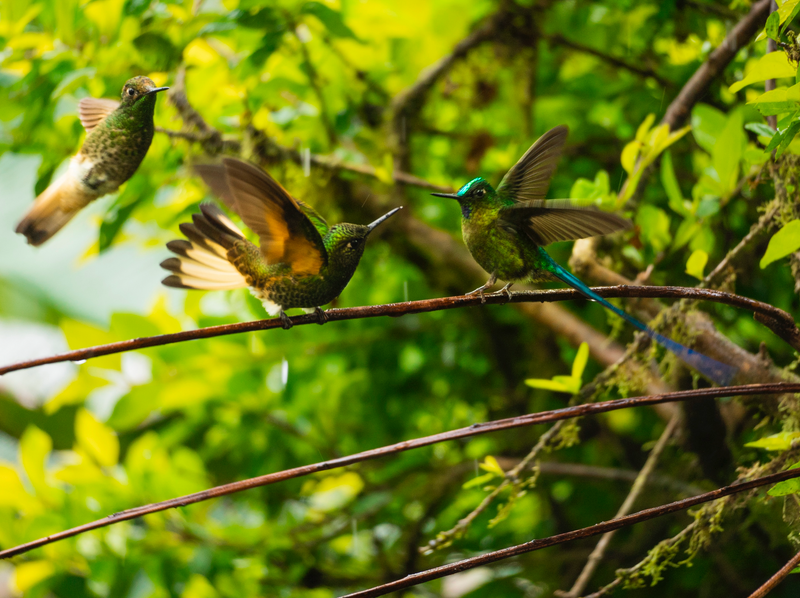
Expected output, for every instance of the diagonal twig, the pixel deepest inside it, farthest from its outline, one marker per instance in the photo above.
(773, 581)
(778, 320)
(473, 430)
(638, 485)
(586, 532)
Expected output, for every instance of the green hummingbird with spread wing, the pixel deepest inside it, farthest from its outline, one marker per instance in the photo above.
(301, 261)
(119, 135)
(505, 229)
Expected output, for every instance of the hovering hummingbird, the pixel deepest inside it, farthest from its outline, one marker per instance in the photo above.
(119, 135)
(301, 261)
(505, 229)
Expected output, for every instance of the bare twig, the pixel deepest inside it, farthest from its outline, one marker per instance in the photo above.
(473, 430)
(511, 477)
(587, 532)
(599, 551)
(560, 40)
(779, 319)
(773, 581)
(716, 62)
(764, 222)
(769, 84)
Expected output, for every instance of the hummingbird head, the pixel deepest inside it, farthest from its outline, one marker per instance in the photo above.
(472, 194)
(345, 242)
(137, 88)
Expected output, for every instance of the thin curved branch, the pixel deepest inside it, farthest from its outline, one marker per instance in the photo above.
(586, 532)
(776, 319)
(473, 430)
(773, 581)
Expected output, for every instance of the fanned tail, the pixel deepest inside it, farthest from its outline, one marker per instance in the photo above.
(712, 369)
(202, 261)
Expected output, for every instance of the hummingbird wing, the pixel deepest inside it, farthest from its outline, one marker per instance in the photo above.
(92, 111)
(287, 234)
(318, 221)
(529, 178)
(546, 222)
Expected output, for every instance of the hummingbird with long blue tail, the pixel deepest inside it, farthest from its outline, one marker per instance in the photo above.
(301, 261)
(506, 228)
(119, 134)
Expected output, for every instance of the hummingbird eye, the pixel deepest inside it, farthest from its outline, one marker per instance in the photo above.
(131, 91)
(480, 192)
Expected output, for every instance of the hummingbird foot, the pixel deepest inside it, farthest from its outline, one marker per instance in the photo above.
(321, 317)
(286, 321)
(480, 290)
(506, 291)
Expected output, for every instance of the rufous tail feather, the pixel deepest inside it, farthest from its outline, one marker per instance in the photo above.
(53, 209)
(202, 261)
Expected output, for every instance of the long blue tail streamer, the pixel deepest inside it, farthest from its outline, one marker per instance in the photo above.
(712, 369)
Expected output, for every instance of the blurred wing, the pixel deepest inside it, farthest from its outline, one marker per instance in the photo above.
(92, 111)
(287, 235)
(529, 178)
(546, 222)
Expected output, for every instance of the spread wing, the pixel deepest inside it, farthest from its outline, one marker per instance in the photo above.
(92, 111)
(318, 221)
(546, 222)
(529, 178)
(287, 234)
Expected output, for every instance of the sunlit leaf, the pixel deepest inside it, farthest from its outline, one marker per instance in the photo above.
(782, 243)
(96, 439)
(696, 264)
(776, 442)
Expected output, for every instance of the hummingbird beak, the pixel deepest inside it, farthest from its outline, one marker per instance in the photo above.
(447, 195)
(372, 225)
(156, 90)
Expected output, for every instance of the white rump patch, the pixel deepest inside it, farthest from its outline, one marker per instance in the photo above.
(272, 308)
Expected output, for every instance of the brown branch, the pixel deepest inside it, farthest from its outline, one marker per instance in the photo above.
(717, 61)
(587, 532)
(773, 581)
(779, 318)
(764, 222)
(473, 430)
(559, 39)
(638, 485)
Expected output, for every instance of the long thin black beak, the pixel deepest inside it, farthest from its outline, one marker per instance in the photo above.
(372, 225)
(156, 90)
(447, 195)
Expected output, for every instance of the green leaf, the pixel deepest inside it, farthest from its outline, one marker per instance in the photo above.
(654, 225)
(117, 215)
(774, 65)
(491, 465)
(761, 129)
(790, 18)
(676, 201)
(98, 440)
(782, 243)
(778, 101)
(581, 359)
(479, 481)
(776, 442)
(696, 264)
(727, 152)
(332, 19)
(786, 487)
(773, 24)
(548, 385)
(787, 138)
(707, 124)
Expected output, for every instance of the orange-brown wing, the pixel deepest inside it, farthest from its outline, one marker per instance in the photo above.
(286, 234)
(92, 111)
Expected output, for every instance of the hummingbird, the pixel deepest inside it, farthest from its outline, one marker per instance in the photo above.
(301, 261)
(506, 228)
(118, 137)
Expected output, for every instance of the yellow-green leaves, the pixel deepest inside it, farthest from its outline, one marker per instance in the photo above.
(786, 12)
(774, 65)
(570, 384)
(776, 442)
(99, 441)
(782, 243)
(787, 486)
(489, 465)
(696, 264)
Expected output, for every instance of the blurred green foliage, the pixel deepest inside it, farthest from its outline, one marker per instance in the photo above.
(81, 441)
